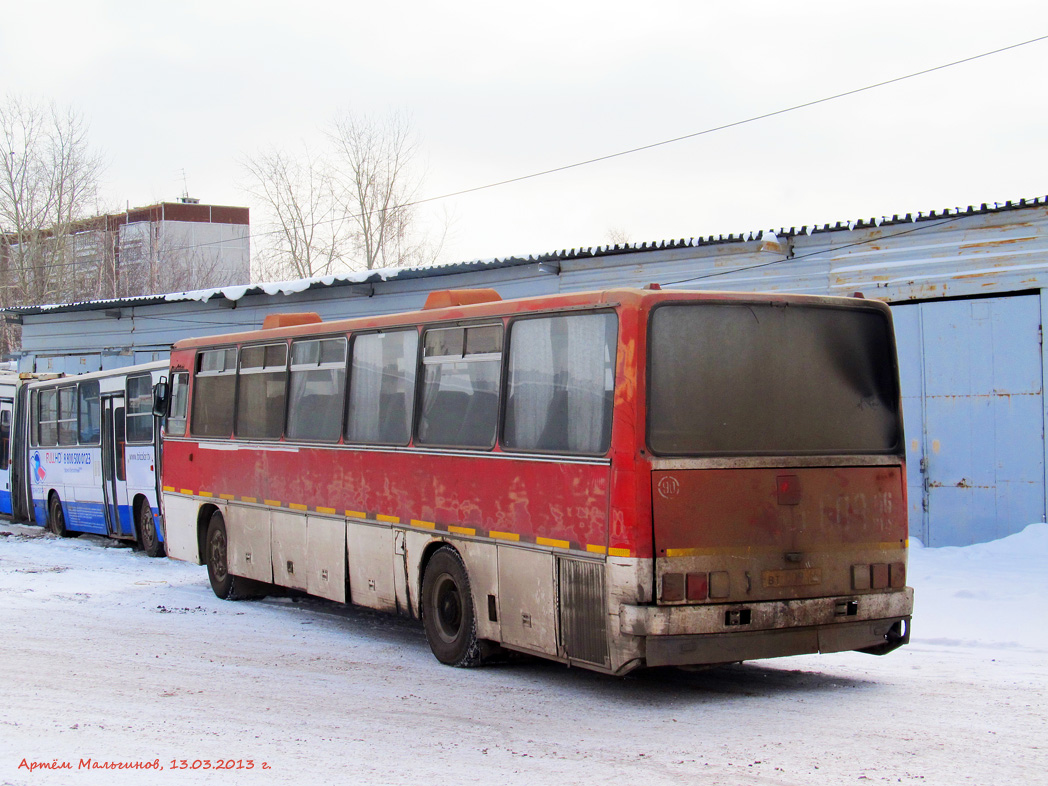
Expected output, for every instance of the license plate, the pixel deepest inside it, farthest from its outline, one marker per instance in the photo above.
(807, 577)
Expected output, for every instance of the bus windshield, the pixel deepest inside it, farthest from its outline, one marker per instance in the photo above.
(771, 379)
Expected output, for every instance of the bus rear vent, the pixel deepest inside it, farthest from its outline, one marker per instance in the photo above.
(290, 320)
(443, 298)
(583, 632)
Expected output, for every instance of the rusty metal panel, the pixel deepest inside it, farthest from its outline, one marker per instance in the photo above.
(773, 546)
(983, 427)
(325, 563)
(954, 256)
(250, 542)
(527, 599)
(370, 555)
(738, 266)
(907, 320)
(289, 549)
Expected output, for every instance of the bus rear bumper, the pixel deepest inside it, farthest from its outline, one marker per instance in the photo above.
(695, 635)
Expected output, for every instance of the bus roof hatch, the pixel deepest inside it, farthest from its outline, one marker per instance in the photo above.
(443, 298)
(290, 320)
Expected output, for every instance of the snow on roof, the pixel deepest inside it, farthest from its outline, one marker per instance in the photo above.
(236, 292)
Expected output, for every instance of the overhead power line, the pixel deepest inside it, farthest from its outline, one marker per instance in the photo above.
(652, 145)
(704, 132)
(726, 126)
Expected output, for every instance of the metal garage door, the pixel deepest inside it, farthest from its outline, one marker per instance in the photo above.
(972, 400)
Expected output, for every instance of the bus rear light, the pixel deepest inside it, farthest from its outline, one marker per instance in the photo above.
(879, 576)
(788, 489)
(860, 577)
(672, 587)
(720, 585)
(897, 573)
(698, 586)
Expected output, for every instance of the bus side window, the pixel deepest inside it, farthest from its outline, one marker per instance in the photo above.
(67, 417)
(560, 384)
(119, 442)
(5, 438)
(140, 409)
(89, 413)
(382, 388)
(45, 417)
(460, 386)
(214, 393)
(176, 419)
(262, 391)
(318, 386)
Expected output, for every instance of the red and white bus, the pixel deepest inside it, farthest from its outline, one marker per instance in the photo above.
(609, 479)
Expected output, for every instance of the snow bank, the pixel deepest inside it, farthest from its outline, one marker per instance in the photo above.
(990, 595)
(111, 655)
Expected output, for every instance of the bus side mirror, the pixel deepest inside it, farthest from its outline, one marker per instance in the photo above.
(161, 399)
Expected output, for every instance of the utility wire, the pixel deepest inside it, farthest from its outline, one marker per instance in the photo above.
(621, 153)
(725, 126)
(734, 124)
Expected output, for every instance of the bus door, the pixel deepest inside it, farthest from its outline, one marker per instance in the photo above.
(6, 418)
(119, 520)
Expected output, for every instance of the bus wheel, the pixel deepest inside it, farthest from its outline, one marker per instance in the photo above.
(224, 584)
(447, 610)
(56, 519)
(148, 539)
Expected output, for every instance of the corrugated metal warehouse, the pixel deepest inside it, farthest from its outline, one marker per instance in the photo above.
(967, 288)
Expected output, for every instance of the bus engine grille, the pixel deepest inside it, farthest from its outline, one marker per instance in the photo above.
(583, 617)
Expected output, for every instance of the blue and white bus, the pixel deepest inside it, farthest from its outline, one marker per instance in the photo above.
(93, 454)
(10, 385)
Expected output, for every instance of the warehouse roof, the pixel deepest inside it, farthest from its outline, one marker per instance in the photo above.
(369, 277)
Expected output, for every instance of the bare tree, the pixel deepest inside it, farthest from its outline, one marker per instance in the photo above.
(375, 185)
(181, 264)
(48, 182)
(302, 232)
(618, 236)
(49, 178)
(348, 209)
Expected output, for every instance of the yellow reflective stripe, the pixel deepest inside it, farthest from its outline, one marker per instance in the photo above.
(462, 530)
(513, 537)
(753, 551)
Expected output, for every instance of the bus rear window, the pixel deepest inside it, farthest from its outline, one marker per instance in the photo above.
(771, 379)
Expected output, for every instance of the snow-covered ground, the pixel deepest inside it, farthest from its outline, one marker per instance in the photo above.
(108, 655)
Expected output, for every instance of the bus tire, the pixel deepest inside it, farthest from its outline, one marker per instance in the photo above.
(56, 519)
(447, 610)
(216, 554)
(148, 538)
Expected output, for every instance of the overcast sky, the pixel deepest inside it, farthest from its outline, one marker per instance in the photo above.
(496, 91)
